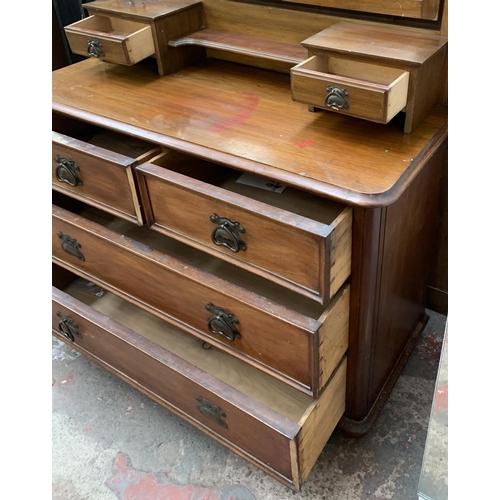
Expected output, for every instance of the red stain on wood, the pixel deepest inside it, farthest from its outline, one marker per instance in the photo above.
(304, 144)
(247, 108)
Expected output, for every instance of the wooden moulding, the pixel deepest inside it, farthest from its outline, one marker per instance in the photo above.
(280, 331)
(144, 351)
(319, 228)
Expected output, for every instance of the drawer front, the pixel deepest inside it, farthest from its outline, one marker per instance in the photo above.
(253, 235)
(275, 427)
(96, 36)
(96, 176)
(251, 429)
(373, 101)
(265, 334)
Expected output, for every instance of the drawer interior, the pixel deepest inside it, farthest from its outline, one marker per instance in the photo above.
(292, 200)
(257, 385)
(329, 66)
(195, 258)
(111, 26)
(102, 138)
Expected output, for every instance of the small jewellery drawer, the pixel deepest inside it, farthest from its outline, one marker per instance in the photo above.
(294, 339)
(111, 39)
(277, 428)
(294, 238)
(369, 91)
(97, 168)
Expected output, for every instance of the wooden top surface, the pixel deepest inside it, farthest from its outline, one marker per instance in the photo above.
(405, 47)
(141, 9)
(244, 117)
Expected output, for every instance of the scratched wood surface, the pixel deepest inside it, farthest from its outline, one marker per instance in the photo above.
(216, 117)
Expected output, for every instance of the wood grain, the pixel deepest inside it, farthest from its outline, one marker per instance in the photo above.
(319, 423)
(243, 107)
(257, 385)
(165, 20)
(106, 174)
(263, 20)
(370, 96)
(269, 226)
(177, 382)
(122, 41)
(424, 9)
(333, 335)
(146, 10)
(394, 45)
(145, 351)
(421, 56)
(246, 45)
(391, 262)
(340, 257)
(177, 23)
(274, 338)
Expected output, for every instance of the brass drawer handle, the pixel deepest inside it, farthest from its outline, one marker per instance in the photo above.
(211, 411)
(94, 49)
(70, 245)
(68, 328)
(222, 323)
(67, 171)
(336, 98)
(226, 234)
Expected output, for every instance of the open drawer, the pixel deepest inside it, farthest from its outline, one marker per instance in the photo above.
(94, 165)
(293, 238)
(292, 338)
(111, 39)
(222, 396)
(369, 91)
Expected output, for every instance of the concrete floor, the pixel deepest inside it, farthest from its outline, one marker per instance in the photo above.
(111, 442)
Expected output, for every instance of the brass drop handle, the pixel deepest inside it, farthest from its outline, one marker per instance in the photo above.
(211, 411)
(222, 323)
(68, 328)
(94, 49)
(70, 245)
(67, 171)
(227, 233)
(336, 98)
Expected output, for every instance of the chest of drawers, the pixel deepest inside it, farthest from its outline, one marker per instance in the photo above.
(264, 267)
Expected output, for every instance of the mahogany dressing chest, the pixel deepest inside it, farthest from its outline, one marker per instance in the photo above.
(255, 187)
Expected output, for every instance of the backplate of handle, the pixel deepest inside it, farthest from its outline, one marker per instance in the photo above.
(336, 98)
(222, 323)
(68, 328)
(67, 171)
(70, 245)
(94, 48)
(211, 411)
(227, 233)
